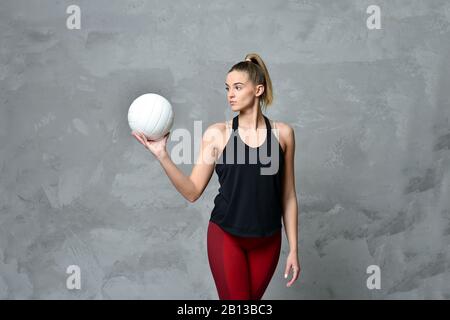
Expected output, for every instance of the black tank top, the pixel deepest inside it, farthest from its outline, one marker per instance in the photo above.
(249, 200)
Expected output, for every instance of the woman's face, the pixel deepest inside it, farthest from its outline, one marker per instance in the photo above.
(241, 92)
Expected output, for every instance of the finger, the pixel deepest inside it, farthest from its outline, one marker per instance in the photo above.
(135, 135)
(298, 273)
(143, 138)
(294, 276)
(286, 270)
(138, 138)
(146, 141)
(290, 282)
(292, 279)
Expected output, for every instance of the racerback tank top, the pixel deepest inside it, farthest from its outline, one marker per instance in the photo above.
(249, 200)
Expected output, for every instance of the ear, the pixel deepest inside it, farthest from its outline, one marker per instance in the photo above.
(259, 90)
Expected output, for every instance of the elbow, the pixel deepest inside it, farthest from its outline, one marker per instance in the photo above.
(193, 194)
(192, 198)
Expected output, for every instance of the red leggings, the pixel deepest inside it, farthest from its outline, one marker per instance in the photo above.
(242, 267)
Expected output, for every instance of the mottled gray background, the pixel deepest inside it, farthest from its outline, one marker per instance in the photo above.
(370, 110)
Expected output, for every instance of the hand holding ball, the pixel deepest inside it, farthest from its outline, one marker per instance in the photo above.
(150, 117)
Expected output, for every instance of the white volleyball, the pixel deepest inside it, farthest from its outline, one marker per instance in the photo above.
(152, 115)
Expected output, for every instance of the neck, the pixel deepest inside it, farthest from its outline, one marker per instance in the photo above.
(251, 119)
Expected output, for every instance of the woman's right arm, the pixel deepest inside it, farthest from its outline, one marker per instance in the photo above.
(191, 187)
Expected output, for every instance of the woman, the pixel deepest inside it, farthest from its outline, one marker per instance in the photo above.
(244, 231)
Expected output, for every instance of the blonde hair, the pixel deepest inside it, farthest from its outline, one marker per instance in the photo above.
(258, 74)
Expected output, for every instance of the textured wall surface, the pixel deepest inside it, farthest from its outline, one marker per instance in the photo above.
(370, 110)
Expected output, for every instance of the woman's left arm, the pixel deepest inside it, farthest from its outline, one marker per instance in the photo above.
(289, 202)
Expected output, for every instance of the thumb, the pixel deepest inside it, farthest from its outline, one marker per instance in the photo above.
(286, 270)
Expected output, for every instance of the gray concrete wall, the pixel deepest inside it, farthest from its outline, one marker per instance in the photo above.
(370, 110)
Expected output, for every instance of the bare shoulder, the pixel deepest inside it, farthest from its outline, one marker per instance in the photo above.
(219, 127)
(215, 126)
(286, 134)
(217, 134)
(286, 130)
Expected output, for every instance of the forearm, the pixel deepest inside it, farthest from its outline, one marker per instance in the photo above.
(182, 183)
(290, 219)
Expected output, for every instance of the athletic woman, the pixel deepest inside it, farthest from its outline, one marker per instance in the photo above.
(254, 160)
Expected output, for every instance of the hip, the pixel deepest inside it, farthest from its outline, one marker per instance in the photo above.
(217, 232)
